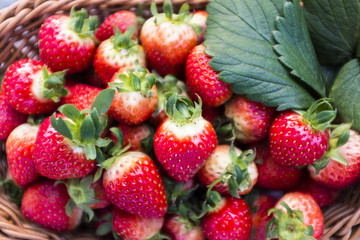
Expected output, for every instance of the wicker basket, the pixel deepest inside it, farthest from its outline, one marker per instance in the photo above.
(19, 25)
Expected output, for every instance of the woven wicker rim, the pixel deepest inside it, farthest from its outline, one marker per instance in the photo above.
(19, 25)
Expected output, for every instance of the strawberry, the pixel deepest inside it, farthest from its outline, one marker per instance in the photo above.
(136, 97)
(31, 88)
(187, 137)
(81, 95)
(132, 183)
(117, 52)
(337, 175)
(199, 17)
(211, 114)
(272, 175)
(131, 227)
(251, 119)
(91, 78)
(9, 118)
(234, 172)
(202, 80)
(167, 39)
(44, 204)
(260, 218)
(19, 153)
(139, 137)
(179, 228)
(99, 196)
(303, 218)
(66, 42)
(230, 219)
(121, 20)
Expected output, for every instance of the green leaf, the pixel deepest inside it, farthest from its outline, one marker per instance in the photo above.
(345, 93)
(70, 207)
(87, 130)
(330, 73)
(338, 157)
(233, 187)
(333, 26)
(90, 151)
(239, 38)
(102, 142)
(103, 101)
(60, 126)
(295, 48)
(70, 111)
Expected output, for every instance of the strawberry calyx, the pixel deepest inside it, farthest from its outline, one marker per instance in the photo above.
(12, 190)
(288, 225)
(136, 79)
(122, 41)
(181, 108)
(53, 85)
(81, 24)
(225, 130)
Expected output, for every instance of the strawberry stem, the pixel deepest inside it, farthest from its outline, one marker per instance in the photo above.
(53, 87)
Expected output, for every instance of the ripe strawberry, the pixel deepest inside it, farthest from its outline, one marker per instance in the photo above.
(303, 218)
(211, 114)
(187, 137)
(131, 227)
(179, 228)
(19, 153)
(9, 118)
(117, 52)
(31, 88)
(121, 20)
(251, 119)
(229, 162)
(231, 219)
(260, 218)
(167, 39)
(272, 175)
(66, 42)
(44, 204)
(339, 176)
(81, 95)
(202, 80)
(199, 17)
(138, 137)
(132, 183)
(136, 97)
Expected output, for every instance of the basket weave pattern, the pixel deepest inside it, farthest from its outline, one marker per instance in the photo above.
(19, 26)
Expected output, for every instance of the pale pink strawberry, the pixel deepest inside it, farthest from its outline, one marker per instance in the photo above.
(199, 17)
(179, 228)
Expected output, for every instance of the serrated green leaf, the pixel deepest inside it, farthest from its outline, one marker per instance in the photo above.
(70, 111)
(295, 48)
(103, 101)
(333, 26)
(239, 38)
(87, 130)
(345, 93)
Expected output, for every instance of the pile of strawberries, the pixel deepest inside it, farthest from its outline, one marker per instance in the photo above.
(102, 125)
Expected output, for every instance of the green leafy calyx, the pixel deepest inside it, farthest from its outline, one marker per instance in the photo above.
(184, 16)
(123, 42)
(81, 24)
(53, 86)
(181, 108)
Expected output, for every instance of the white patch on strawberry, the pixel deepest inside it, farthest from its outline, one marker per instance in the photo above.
(184, 130)
(25, 130)
(68, 34)
(37, 86)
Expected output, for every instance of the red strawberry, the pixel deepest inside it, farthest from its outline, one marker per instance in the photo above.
(133, 184)
(186, 136)
(179, 228)
(289, 225)
(211, 114)
(272, 175)
(167, 39)
(100, 195)
(31, 88)
(251, 119)
(81, 95)
(131, 227)
(221, 164)
(199, 17)
(261, 218)
(44, 204)
(9, 118)
(117, 52)
(121, 19)
(57, 157)
(66, 42)
(202, 80)
(137, 136)
(136, 98)
(231, 219)
(339, 176)
(19, 153)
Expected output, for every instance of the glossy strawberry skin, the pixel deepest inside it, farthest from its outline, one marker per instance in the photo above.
(131, 227)
(21, 87)
(61, 48)
(311, 211)
(44, 204)
(19, 153)
(81, 95)
(9, 118)
(133, 184)
(336, 175)
(56, 157)
(134, 135)
(121, 19)
(167, 45)
(230, 220)
(177, 229)
(202, 80)
(295, 143)
(251, 119)
(261, 218)
(187, 145)
(200, 17)
(272, 175)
